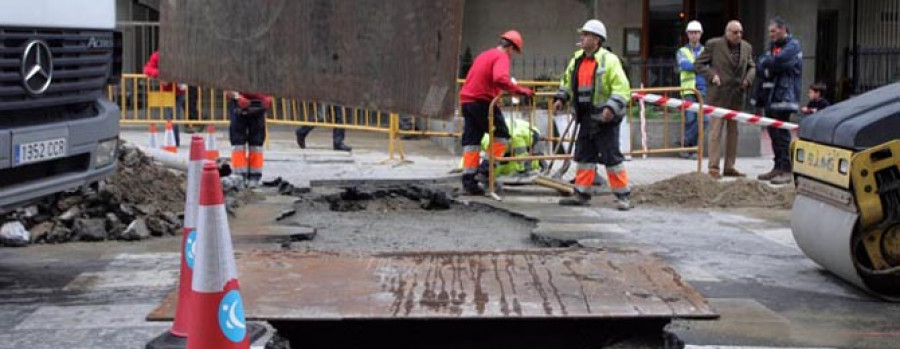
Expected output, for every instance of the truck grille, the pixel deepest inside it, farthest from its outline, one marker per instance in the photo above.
(80, 69)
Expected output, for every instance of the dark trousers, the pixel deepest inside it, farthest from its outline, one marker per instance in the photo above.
(597, 142)
(179, 109)
(692, 126)
(247, 129)
(781, 142)
(337, 134)
(193, 94)
(475, 125)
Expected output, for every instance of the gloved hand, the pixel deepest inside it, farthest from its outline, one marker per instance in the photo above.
(267, 102)
(525, 91)
(243, 102)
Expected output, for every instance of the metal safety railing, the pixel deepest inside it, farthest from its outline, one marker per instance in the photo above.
(144, 100)
(666, 116)
(555, 140)
(537, 100)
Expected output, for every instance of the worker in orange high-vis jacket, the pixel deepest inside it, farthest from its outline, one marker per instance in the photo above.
(247, 133)
(598, 88)
(487, 78)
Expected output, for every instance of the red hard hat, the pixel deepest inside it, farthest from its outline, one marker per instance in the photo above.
(515, 38)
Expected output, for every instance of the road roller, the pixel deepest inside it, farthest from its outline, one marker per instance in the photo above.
(846, 214)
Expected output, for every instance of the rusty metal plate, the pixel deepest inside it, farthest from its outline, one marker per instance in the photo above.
(398, 55)
(547, 283)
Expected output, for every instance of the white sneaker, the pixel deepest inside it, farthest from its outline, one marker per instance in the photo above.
(623, 204)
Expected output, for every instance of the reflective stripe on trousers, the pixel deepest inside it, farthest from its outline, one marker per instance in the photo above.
(239, 161)
(618, 179)
(470, 159)
(584, 176)
(256, 160)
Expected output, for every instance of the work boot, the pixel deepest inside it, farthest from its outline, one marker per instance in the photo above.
(623, 203)
(578, 199)
(470, 185)
(301, 138)
(733, 173)
(782, 178)
(343, 147)
(768, 175)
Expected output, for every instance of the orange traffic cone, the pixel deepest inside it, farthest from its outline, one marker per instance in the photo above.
(216, 307)
(169, 144)
(212, 151)
(189, 236)
(154, 141)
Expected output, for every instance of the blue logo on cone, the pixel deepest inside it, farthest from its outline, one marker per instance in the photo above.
(231, 317)
(190, 248)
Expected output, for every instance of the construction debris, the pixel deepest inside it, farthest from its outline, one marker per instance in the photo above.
(134, 204)
(403, 217)
(698, 190)
(14, 234)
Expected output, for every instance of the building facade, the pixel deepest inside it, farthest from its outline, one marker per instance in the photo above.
(851, 45)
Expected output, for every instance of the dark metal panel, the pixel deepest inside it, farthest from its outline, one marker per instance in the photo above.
(397, 55)
(537, 284)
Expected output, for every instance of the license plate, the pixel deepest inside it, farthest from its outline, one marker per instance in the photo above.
(39, 151)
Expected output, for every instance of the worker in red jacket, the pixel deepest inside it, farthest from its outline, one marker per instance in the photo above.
(247, 133)
(151, 69)
(487, 78)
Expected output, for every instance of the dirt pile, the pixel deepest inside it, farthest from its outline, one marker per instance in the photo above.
(699, 190)
(141, 200)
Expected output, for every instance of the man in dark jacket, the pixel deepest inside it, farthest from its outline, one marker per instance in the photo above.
(781, 67)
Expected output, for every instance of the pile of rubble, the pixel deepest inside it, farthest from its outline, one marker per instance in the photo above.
(389, 199)
(698, 190)
(140, 201)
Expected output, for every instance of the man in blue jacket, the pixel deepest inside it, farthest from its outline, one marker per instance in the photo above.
(781, 68)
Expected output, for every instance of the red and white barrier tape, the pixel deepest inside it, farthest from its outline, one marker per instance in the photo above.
(723, 113)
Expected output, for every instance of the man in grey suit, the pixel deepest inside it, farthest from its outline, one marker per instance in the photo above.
(727, 64)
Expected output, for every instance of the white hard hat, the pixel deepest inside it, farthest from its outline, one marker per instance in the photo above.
(594, 27)
(694, 26)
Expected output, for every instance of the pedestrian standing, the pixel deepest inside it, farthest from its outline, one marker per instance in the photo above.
(728, 66)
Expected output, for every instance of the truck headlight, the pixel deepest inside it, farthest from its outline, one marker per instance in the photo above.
(801, 155)
(106, 152)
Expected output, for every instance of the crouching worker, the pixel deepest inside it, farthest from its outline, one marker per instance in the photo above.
(522, 138)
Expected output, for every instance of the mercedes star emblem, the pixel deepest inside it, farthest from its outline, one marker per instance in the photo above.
(37, 67)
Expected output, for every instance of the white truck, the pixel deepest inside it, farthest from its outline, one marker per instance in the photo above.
(58, 131)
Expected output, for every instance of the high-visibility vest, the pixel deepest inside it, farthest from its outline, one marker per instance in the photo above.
(521, 138)
(689, 78)
(611, 87)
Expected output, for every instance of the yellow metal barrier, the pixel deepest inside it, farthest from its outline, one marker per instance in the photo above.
(143, 101)
(532, 114)
(667, 148)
